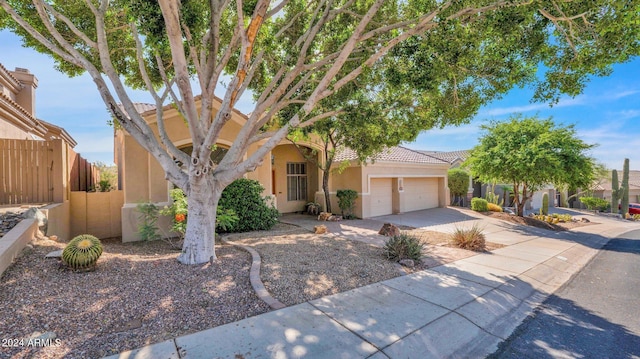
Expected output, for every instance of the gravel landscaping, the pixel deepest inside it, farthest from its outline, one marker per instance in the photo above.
(139, 294)
(302, 267)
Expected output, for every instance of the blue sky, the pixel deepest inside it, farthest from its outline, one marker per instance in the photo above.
(607, 113)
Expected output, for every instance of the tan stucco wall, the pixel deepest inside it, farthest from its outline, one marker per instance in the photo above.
(10, 131)
(59, 220)
(143, 177)
(96, 213)
(282, 155)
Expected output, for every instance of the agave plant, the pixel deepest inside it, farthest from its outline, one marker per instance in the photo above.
(82, 252)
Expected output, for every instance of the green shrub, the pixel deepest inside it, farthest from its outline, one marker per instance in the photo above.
(479, 204)
(458, 181)
(147, 229)
(177, 211)
(403, 246)
(82, 252)
(346, 202)
(472, 239)
(595, 203)
(244, 197)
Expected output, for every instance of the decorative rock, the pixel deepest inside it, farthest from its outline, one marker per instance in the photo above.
(324, 216)
(8, 220)
(334, 218)
(54, 254)
(408, 263)
(34, 212)
(389, 230)
(321, 229)
(53, 237)
(585, 220)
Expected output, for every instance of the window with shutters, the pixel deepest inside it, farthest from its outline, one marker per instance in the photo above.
(296, 181)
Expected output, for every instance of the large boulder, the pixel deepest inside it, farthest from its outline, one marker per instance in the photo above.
(389, 230)
(39, 216)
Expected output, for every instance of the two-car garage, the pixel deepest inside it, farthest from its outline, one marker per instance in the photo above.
(398, 180)
(412, 194)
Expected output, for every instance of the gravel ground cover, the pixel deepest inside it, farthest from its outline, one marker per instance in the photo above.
(139, 294)
(300, 267)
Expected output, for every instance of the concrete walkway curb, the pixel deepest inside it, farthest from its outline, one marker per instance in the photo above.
(462, 309)
(254, 277)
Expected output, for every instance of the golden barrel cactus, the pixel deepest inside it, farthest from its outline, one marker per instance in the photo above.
(82, 252)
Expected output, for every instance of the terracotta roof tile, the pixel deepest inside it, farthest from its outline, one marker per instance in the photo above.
(392, 154)
(450, 156)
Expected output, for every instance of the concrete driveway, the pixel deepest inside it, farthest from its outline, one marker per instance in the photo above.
(427, 218)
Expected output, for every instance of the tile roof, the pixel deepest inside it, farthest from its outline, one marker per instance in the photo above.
(450, 156)
(392, 154)
(634, 181)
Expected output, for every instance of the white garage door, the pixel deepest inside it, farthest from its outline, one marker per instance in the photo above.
(420, 193)
(381, 197)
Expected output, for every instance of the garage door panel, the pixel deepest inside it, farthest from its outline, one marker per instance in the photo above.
(381, 196)
(420, 193)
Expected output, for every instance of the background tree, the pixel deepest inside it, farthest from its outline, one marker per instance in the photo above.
(458, 181)
(530, 153)
(297, 54)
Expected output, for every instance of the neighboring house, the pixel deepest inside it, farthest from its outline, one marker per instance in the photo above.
(18, 109)
(34, 154)
(455, 160)
(604, 188)
(398, 180)
(479, 189)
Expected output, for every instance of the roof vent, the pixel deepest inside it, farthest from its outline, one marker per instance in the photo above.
(20, 69)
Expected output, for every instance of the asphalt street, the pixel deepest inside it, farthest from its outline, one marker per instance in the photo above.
(595, 315)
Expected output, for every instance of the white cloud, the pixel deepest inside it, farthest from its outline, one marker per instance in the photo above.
(564, 102)
(621, 94)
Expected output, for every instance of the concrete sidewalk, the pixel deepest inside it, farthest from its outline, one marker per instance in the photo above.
(461, 309)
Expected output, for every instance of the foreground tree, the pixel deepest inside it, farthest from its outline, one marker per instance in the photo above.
(530, 153)
(297, 54)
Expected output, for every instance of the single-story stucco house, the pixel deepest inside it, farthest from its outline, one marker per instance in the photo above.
(397, 180)
(604, 188)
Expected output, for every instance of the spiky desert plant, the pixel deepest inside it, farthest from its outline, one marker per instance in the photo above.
(403, 246)
(472, 238)
(545, 204)
(615, 191)
(82, 252)
(494, 207)
(625, 188)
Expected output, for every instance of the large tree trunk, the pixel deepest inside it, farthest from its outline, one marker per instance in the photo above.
(325, 186)
(199, 238)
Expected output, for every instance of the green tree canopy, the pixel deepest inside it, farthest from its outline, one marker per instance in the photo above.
(530, 153)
